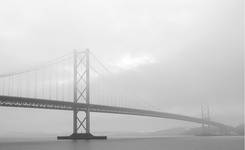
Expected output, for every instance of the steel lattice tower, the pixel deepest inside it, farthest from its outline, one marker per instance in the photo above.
(81, 120)
(81, 90)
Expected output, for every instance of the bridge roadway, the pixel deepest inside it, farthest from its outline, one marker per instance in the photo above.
(10, 101)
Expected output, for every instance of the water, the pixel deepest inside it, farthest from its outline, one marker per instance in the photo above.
(165, 143)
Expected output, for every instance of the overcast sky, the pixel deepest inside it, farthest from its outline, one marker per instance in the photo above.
(177, 54)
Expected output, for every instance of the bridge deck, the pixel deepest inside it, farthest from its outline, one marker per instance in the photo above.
(10, 101)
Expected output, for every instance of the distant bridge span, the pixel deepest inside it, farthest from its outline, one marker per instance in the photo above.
(10, 101)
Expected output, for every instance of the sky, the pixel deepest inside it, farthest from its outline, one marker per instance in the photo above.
(177, 55)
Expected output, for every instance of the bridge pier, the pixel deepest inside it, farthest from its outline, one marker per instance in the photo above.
(81, 136)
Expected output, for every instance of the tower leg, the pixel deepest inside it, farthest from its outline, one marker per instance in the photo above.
(80, 136)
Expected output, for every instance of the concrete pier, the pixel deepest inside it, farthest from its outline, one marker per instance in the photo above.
(81, 136)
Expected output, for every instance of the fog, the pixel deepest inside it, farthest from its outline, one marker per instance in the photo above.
(176, 54)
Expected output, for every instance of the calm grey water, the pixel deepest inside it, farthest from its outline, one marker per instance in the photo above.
(165, 143)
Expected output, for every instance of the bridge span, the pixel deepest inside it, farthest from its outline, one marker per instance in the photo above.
(10, 101)
(40, 87)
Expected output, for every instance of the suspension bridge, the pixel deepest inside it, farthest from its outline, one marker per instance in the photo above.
(74, 83)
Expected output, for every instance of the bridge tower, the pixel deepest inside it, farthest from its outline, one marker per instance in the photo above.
(205, 121)
(81, 120)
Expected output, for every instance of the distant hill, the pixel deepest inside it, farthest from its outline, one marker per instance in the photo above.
(208, 131)
(180, 131)
(199, 131)
(240, 129)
